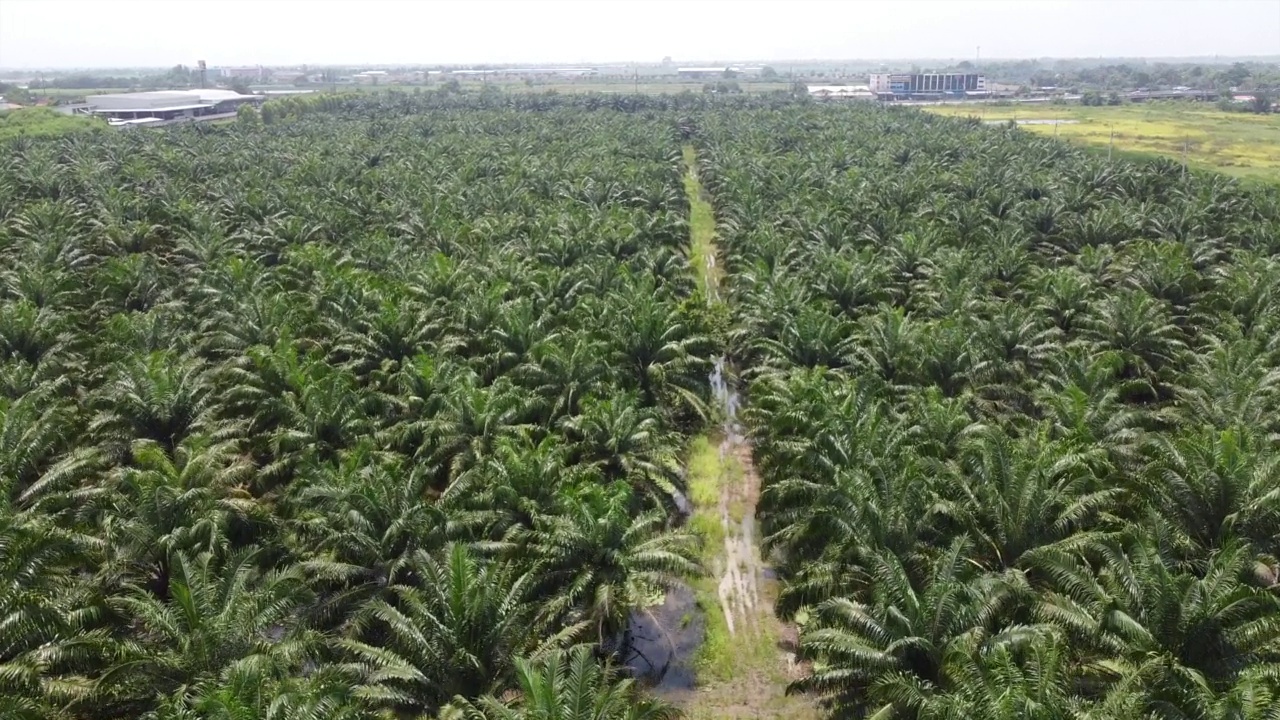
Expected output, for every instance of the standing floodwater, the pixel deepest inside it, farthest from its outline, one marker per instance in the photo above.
(663, 641)
(740, 567)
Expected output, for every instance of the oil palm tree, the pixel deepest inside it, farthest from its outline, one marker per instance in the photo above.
(158, 397)
(863, 652)
(326, 418)
(668, 357)
(52, 636)
(471, 420)
(563, 372)
(565, 685)
(1213, 489)
(1017, 497)
(361, 524)
(1023, 673)
(813, 337)
(246, 692)
(219, 616)
(1232, 384)
(454, 633)
(625, 442)
(1164, 633)
(36, 432)
(597, 561)
(194, 502)
(1140, 328)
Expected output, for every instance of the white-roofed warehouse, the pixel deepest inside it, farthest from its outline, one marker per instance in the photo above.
(170, 105)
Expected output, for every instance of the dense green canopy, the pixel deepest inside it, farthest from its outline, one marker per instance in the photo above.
(1015, 407)
(340, 414)
(374, 407)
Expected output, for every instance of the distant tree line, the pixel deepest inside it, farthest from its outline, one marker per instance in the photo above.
(177, 76)
(1129, 75)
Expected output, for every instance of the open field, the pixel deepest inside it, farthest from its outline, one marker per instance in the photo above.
(1239, 144)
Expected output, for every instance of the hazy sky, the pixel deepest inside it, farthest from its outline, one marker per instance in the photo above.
(98, 33)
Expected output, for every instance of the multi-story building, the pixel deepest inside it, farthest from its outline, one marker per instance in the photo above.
(256, 72)
(909, 85)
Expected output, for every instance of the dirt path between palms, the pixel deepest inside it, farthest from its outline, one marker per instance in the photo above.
(747, 658)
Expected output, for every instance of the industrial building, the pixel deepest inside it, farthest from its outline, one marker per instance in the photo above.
(906, 86)
(1184, 93)
(840, 92)
(165, 107)
(717, 72)
(552, 72)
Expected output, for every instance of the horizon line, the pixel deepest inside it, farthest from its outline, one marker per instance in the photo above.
(658, 63)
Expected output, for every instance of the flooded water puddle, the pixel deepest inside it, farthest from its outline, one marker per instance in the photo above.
(662, 642)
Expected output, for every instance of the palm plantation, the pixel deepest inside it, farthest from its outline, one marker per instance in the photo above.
(1028, 472)
(279, 441)
(379, 408)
